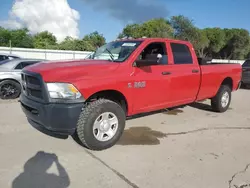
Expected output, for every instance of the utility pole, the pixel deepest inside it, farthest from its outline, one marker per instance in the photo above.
(46, 49)
(10, 45)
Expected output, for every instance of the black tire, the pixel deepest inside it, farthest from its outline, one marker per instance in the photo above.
(216, 102)
(9, 89)
(243, 85)
(86, 121)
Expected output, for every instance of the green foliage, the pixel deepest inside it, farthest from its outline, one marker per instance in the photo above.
(95, 39)
(237, 43)
(184, 28)
(18, 38)
(21, 38)
(212, 42)
(78, 45)
(5, 37)
(201, 42)
(68, 44)
(44, 39)
(152, 28)
(217, 40)
(88, 43)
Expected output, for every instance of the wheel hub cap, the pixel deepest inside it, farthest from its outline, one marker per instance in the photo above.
(225, 99)
(105, 126)
(7, 90)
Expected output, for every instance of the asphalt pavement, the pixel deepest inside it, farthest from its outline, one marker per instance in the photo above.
(189, 147)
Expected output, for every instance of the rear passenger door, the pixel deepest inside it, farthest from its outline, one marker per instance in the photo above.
(185, 74)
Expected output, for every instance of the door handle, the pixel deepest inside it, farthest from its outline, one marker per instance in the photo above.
(166, 73)
(195, 71)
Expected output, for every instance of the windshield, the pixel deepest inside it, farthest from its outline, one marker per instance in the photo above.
(246, 64)
(117, 51)
(4, 62)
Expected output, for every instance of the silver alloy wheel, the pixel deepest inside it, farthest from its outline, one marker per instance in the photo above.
(105, 126)
(225, 99)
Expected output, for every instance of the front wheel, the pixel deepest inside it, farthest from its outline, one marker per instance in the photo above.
(101, 124)
(9, 89)
(222, 100)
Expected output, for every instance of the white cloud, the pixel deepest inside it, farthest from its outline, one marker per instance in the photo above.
(55, 16)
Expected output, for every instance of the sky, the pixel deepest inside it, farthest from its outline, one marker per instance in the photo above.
(79, 17)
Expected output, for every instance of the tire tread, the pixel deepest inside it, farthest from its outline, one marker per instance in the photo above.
(87, 110)
(216, 101)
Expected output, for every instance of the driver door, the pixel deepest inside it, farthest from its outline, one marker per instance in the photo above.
(151, 81)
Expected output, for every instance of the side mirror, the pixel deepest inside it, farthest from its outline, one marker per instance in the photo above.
(145, 63)
(151, 59)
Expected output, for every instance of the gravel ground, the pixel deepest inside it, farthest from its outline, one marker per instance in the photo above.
(189, 147)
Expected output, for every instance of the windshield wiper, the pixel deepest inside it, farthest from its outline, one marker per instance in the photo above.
(110, 54)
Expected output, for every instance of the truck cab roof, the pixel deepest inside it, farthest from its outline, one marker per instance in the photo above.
(154, 39)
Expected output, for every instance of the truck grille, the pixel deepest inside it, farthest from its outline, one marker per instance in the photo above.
(32, 86)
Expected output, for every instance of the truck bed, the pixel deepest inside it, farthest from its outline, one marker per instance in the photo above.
(212, 76)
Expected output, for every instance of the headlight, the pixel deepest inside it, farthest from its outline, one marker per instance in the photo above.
(63, 91)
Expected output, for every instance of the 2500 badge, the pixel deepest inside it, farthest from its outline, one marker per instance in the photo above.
(137, 84)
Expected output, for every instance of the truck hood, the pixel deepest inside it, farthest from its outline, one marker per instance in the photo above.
(66, 71)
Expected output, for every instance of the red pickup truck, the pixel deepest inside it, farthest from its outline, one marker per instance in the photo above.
(91, 98)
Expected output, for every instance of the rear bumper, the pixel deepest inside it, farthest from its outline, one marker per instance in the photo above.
(57, 120)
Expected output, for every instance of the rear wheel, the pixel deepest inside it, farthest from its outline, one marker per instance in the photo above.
(246, 86)
(9, 89)
(222, 100)
(100, 124)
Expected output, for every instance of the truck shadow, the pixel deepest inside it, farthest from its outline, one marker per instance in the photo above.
(35, 173)
(141, 136)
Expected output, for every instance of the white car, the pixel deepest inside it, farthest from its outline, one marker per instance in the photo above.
(8, 56)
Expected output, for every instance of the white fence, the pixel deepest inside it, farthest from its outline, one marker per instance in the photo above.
(228, 61)
(64, 55)
(45, 54)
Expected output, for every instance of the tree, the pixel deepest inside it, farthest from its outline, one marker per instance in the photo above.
(44, 40)
(95, 39)
(77, 45)
(213, 42)
(131, 30)
(248, 55)
(201, 42)
(184, 28)
(21, 38)
(68, 44)
(5, 37)
(237, 43)
(152, 28)
(216, 37)
(18, 38)
(157, 28)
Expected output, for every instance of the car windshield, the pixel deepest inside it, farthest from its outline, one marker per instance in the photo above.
(246, 64)
(117, 51)
(4, 62)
